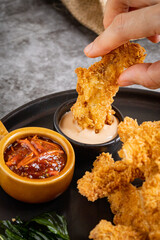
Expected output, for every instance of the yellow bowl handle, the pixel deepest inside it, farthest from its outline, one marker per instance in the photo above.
(3, 131)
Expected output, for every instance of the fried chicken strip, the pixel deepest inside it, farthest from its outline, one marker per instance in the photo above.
(141, 148)
(97, 85)
(106, 231)
(137, 212)
(128, 206)
(139, 207)
(150, 193)
(140, 157)
(106, 176)
(135, 207)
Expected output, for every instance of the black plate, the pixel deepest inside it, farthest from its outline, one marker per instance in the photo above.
(81, 215)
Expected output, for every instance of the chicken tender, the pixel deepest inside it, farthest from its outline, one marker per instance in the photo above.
(139, 207)
(135, 207)
(150, 193)
(128, 206)
(97, 85)
(141, 146)
(106, 231)
(106, 176)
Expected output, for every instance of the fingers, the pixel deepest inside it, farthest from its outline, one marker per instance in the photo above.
(125, 26)
(115, 7)
(145, 74)
(112, 9)
(154, 39)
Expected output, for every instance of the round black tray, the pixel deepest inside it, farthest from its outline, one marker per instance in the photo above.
(82, 216)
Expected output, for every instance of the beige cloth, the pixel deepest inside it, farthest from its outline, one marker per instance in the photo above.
(88, 12)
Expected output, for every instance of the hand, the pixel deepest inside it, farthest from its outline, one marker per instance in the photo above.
(125, 20)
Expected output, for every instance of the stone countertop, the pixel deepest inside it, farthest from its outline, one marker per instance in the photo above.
(41, 44)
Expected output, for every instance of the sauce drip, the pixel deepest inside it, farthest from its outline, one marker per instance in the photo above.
(71, 129)
(35, 157)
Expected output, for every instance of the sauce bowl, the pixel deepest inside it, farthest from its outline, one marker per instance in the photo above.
(35, 190)
(83, 150)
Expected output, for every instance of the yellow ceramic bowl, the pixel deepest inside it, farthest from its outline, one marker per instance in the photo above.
(35, 190)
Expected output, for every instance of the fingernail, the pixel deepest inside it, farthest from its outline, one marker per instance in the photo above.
(158, 38)
(87, 49)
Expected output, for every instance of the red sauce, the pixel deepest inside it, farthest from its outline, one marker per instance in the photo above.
(35, 157)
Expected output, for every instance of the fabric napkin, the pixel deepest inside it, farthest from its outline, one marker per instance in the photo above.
(87, 12)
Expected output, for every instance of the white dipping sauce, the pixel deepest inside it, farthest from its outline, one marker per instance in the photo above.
(71, 129)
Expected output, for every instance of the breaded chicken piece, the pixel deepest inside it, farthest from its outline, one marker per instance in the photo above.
(93, 184)
(128, 206)
(141, 148)
(127, 128)
(106, 231)
(97, 85)
(139, 207)
(105, 177)
(150, 195)
(140, 157)
(135, 207)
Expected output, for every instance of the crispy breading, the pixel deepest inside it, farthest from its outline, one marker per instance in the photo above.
(140, 158)
(106, 176)
(141, 146)
(127, 128)
(128, 207)
(92, 185)
(150, 193)
(135, 207)
(106, 231)
(139, 207)
(97, 85)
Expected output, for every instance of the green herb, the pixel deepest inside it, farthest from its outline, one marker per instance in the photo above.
(47, 226)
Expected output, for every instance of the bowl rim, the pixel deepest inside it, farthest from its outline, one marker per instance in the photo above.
(27, 131)
(85, 145)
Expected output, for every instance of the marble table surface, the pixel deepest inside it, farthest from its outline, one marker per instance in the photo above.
(41, 44)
